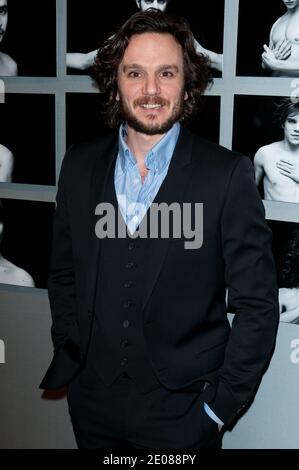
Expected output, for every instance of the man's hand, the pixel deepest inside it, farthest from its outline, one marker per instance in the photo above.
(268, 58)
(289, 169)
(283, 50)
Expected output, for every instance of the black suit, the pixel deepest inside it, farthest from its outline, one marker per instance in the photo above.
(184, 310)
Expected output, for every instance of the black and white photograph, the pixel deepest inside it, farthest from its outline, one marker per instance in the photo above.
(286, 253)
(89, 26)
(25, 237)
(149, 291)
(84, 120)
(27, 141)
(8, 66)
(266, 129)
(268, 38)
(28, 38)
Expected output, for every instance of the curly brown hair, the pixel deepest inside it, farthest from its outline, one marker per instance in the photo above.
(197, 75)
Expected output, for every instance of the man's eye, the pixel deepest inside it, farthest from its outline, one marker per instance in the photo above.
(166, 73)
(134, 74)
(3, 11)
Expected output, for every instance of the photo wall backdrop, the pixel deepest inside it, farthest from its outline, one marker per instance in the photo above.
(50, 102)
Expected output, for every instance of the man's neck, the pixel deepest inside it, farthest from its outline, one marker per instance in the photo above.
(140, 144)
(292, 149)
(292, 11)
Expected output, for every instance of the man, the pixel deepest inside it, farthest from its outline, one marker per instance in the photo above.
(281, 57)
(8, 67)
(277, 164)
(6, 164)
(139, 323)
(85, 61)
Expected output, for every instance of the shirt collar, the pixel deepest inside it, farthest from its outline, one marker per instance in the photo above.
(158, 157)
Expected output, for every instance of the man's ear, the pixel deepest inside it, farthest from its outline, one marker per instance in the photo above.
(137, 3)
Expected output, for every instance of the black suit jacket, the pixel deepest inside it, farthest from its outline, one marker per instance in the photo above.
(184, 311)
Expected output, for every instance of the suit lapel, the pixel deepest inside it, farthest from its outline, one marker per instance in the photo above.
(171, 190)
(100, 172)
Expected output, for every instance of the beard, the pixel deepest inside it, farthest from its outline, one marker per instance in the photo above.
(152, 128)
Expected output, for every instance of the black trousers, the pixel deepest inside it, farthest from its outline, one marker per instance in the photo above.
(120, 416)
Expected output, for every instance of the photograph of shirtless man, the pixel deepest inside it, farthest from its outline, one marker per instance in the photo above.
(277, 164)
(83, 61)
(8, 67)
(6, 164)
(281, 56)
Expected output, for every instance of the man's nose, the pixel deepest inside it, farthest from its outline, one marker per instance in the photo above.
(151, 85)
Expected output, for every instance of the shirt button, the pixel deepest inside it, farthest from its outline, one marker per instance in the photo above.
(128, 284)
(129, 265)
(135, 218)
(126, 323)
(124, 343)
(127, 303)
(124, 361)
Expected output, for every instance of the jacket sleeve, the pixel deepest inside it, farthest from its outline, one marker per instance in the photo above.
(251, 281)
(61, 283)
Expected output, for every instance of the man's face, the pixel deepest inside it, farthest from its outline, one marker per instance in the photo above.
(290, 4)
(157, 4)
(151, 83)
(3, 18)
(291, 129)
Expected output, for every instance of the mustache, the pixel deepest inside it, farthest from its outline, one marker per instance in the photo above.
(156, 100)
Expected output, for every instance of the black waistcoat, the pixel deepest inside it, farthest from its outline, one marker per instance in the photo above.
(117, 342)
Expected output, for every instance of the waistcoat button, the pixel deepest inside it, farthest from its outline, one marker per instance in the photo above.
(130, 265)
(128, 284)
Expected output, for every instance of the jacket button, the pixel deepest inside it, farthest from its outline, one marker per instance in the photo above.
(124, 343)
(131, 246)
(128, 284)
(124, 361)
(130, 265)
(127, 304)
(126, 323)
